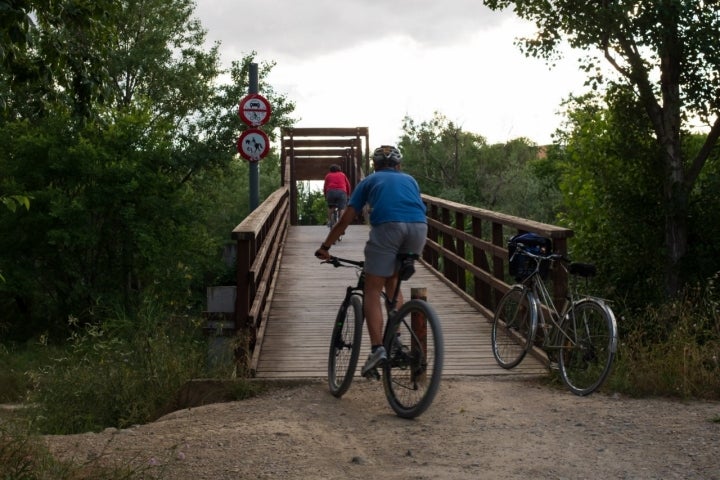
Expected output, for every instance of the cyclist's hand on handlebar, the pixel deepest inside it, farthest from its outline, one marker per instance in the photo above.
(323, 253)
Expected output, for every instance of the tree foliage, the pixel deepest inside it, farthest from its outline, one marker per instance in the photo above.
(461, 166)
(606, 170)
(664, 52)
(122, 134)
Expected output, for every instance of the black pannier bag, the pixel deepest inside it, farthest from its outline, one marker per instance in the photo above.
(521, 266)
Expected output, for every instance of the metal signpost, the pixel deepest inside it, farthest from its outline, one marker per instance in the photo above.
(253, 143)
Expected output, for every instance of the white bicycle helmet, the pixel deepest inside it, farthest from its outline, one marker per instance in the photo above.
(386, 156)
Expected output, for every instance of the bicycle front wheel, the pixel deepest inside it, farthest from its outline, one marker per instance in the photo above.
(514, 326)
(411, 375)
(345, 346)
(588, 347)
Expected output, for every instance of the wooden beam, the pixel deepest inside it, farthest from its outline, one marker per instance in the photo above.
(322, 142)
(327, 132)
(318, 152)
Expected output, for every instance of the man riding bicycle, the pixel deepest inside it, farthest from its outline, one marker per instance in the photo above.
(336, 190)
(399, 225)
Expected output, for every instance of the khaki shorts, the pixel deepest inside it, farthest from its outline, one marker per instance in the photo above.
(387, 240)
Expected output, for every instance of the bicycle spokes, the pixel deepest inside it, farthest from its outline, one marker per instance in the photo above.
(587, 351)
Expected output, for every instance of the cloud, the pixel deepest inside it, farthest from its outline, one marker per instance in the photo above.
(369, 63)
(304, 29)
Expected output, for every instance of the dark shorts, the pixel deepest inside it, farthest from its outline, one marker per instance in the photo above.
(336, 198)
(387, 240)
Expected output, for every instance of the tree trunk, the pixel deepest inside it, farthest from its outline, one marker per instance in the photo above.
(676, 214)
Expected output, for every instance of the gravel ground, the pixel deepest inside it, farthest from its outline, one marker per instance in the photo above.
(478, 427)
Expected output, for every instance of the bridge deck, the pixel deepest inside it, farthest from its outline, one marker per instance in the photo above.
(296, 338)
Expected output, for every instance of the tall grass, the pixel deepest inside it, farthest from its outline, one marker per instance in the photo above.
(675, 351)
(117, 373)
(123, 371)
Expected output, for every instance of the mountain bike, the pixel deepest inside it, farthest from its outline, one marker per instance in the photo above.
(582, 337)
(412, 337)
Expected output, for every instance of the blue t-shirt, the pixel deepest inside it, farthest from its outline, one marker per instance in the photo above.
(393, 196)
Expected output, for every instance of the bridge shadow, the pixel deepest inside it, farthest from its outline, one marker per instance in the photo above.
(295, 339)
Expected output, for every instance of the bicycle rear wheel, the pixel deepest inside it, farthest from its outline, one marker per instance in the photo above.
(411, 375)
(345, 346)
(514, 326)
(589, 348)
(334, 219)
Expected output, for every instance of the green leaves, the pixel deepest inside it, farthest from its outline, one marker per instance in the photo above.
(126, 151)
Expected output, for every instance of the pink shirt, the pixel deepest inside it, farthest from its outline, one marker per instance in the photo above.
(336, 181)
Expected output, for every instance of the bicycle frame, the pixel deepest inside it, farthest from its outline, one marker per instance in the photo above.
(552, 329)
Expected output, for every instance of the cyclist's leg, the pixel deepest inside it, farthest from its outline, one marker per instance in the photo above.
(380, 257)
(341, 204)
(373, 307)
(332, 198)
(374, 319)
(414, 236)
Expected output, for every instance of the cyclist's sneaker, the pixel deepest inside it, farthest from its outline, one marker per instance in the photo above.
(378, 357)
(397, 347)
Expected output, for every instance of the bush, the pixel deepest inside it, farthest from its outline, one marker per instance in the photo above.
(119, 373)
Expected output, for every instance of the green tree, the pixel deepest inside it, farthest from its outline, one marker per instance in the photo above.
(607, 171)
(460, 166)
(125, 159)
(443, 158)
(666, 53)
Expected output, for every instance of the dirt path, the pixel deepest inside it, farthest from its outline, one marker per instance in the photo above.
(479, 427)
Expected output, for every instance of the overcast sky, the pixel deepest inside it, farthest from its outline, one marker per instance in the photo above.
(369, 63)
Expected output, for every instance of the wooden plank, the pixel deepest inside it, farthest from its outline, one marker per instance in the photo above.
(308, 293)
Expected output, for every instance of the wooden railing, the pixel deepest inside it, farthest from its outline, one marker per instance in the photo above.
(260, 239)
(467, 246)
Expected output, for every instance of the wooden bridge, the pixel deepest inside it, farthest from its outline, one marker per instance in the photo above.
(286, 299)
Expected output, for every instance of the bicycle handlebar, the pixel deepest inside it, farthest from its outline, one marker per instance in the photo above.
(541, 256)
(574, 268)
(338, 262)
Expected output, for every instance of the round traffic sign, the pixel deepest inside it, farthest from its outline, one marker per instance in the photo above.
(253, 144)
(254, 110)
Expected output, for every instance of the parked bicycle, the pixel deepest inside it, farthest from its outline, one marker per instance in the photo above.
(412, 337)
(582, 337)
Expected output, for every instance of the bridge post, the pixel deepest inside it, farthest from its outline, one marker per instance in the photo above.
(418, 321)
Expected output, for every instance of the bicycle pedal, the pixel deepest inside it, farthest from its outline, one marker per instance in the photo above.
(372, 374)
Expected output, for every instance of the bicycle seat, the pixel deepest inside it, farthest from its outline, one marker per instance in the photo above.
(407, 265)
(582, 269)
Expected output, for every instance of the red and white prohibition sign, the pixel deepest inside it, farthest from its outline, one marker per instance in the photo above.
(254, 110)
(253, 144)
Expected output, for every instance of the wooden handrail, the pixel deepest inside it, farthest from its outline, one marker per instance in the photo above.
(469, 244)
(260, 239)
